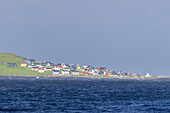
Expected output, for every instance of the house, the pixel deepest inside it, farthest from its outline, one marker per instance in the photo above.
(114, 74)
(12, 65)
(49, 63)
(83, 70)
(23, 64)
(95, 74)
(36, 64)
(29, 67)
(75, 73)
(41, 70)
(52, 64)
(64, 65)
(66, 71)
(101, 73)
(48, 68)
(121, 73)
(41, 66)
(106, 74)
(84, 67)
(30, 61)
(39, 62)
(35, 68)
(102, 68)
(56, 72)
(147, 75)
(78, 68)
(91, 71)
(72, 67)
(97, 70)
(57, 67)
(85, 73)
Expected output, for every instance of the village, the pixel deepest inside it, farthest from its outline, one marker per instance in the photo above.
(72, 69)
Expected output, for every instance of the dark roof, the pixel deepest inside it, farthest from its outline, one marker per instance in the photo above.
(12, 65)
(74, 71)
(31, 60)
(35, 67)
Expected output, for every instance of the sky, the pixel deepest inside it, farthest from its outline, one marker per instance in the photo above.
(123, 35)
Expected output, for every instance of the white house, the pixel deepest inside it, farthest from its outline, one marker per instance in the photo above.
(75, 73)
(30, 66)
(95, 73)
(91, 71)
(147, 75)
(41, 71)
(56, 72)
(47, 69)
(66, 71)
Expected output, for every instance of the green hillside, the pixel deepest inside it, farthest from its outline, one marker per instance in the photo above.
(11, 58)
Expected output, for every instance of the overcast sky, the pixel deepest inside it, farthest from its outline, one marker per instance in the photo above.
(123, 35)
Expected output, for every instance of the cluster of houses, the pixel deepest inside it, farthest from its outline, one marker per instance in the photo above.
(69, 69)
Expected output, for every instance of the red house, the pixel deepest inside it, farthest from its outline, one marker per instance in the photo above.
(85, 73)
(58, 67)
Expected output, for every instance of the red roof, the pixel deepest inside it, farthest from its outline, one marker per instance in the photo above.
(58, 66)
(107, 74)
(85, 73)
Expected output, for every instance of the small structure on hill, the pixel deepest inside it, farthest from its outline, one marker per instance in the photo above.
(12, 65)
(23, 64)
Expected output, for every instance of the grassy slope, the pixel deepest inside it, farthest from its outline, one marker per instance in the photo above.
(11, 58)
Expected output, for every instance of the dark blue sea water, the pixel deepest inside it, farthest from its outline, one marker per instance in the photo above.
(48, 95)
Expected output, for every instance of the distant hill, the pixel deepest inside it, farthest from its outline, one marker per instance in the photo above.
(12, 58)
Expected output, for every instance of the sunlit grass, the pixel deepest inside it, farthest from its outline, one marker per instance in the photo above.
(11, 58)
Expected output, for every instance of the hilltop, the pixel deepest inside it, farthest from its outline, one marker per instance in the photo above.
(12, 58)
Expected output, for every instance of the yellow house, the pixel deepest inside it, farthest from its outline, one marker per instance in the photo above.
(23, 64)
(83, 70)
(78, 68)
(35, 69)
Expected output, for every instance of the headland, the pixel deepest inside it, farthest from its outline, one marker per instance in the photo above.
(14, 65)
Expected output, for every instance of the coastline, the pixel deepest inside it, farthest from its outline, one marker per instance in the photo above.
(23, 67)
(89, 76)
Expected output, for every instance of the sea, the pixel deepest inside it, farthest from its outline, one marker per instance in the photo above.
(83, 95)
